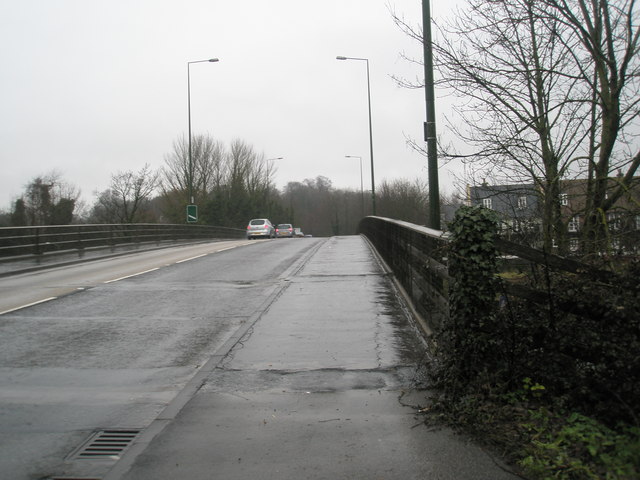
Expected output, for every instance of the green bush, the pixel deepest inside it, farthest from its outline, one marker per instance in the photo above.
(506, 367)
(579, 447)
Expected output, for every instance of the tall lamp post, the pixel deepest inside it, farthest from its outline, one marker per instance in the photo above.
(361, 181)
(373, 183)
(273, 159)
(270, 165)
(430, 124)
(192, 209)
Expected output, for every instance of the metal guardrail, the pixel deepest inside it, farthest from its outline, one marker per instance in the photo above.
(25, 242)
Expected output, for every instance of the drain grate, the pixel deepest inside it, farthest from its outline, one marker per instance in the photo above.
(106, 444)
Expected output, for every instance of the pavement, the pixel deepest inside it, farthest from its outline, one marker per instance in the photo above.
(325, 382)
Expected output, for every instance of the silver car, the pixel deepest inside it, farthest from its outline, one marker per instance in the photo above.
(284, 230)
(260, 228)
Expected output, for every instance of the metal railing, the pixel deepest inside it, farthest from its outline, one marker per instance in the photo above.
(18, 242)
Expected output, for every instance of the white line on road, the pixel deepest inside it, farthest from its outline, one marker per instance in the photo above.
(205, 254)
(191, 258)
(27, 305)
(132, 275)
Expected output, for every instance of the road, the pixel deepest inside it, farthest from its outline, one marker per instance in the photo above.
(18, 291)
(110, 343)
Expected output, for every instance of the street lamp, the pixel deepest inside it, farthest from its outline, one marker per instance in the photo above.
(373, 183)
(361, 181)
(192, 215)
(430, 124)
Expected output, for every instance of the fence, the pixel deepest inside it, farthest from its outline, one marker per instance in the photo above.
(418, 258)
(18, 242)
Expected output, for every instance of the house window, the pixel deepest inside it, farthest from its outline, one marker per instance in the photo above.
(486, 202)
(522, 202)
(574, 224)
(574, 244)
(614, 221)
(637, 222)
(564, 199)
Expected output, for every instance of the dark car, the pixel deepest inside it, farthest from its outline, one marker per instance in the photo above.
(260, 228)
(284, 230)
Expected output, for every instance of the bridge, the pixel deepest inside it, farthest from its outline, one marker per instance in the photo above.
(227, 358)
(287, 358)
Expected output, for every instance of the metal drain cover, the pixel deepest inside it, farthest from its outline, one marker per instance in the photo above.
(106, 444)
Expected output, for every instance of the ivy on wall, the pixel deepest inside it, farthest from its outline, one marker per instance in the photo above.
(466, 341)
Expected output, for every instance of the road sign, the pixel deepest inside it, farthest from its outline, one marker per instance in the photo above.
(192, 213)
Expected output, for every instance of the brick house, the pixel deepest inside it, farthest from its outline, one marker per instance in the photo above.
(518, 207)
(623, 219)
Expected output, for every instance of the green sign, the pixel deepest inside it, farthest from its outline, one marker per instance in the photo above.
(192, 213)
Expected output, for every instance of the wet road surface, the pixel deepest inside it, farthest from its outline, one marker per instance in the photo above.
(114, 355)
(282, 359)
(322, 386)
(28, 282)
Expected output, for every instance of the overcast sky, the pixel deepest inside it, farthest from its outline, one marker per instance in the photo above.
(91, 87)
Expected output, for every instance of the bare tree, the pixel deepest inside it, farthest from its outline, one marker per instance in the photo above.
(314, 205)
(129, 192)
(207, 158)
(541, 86)
(402, 199)
(608, 64)
(503, 60)
(48, 200)
(245, 187)
(322, 210)
(229, 185)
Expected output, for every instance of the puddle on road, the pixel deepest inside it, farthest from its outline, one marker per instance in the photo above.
(329, 380)
(405, 339)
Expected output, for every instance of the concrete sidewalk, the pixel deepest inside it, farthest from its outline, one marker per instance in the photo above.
(322, 386)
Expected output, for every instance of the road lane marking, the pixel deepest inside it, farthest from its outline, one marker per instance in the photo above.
(191, 258)
(205, 254)
(28, 305)
(132, 275)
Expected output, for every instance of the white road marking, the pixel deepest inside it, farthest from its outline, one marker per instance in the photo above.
(191, 258)
(28, 305)
(205, 254)
(132, 275)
